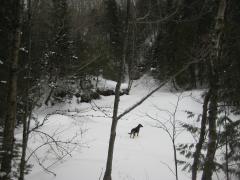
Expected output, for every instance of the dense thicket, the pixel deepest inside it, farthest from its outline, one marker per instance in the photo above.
(66, 44)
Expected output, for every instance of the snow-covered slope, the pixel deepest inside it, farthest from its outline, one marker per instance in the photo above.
(146, 157)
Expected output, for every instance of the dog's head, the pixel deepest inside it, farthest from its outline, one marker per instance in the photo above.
(139, 125)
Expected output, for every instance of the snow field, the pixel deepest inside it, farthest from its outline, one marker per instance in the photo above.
(146, 157)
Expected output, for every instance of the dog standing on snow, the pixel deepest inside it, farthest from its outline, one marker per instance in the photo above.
(135, 131)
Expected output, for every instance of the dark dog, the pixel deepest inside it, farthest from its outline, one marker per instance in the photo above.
(135, 131)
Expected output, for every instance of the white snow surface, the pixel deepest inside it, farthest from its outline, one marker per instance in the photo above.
(104, 84)
(146, 157)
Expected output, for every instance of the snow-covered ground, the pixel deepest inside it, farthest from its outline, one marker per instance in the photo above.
(146, 157)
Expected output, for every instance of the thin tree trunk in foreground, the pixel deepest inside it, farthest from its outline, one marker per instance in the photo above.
(212, 137)
(226, 148)
(28, 108)
(175, 159)
(199, 145)
(213, 78)
(26, 123)
(108, 172)
(9, 125)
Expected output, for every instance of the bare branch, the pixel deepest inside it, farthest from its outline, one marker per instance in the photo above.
(100, 109)
(157, 88)
(44, 168)
(162, 20)
(168, 167)
(87, 64)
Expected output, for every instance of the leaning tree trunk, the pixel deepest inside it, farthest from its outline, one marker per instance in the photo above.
(213, 64)
(199, 145)
(108, 172)
(9, 124)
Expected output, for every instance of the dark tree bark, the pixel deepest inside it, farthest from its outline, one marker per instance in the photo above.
(108, 172)
(212, 136)
(213, 82)
(226, 146)
(199, 145)
(28, 108)
(132, 70)
(9, 125)
(193, 76)
(175, 159)
(26, 123)
(49, 96)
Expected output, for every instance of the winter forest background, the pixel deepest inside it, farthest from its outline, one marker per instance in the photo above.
(76, 59)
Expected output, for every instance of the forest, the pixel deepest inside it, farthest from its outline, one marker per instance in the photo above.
(67, 57)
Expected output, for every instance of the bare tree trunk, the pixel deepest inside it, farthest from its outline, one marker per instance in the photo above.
(131, 69)
(227, 163)
(28, 108)
(193, 77)
(226, 146)
(26, 123)
(212, 137)
(49, 96)
(108, 172)
(9, 125)
(52, 89)
(175, 159)
(199, 145)
(171, 131)
(175, 136)
(215, 57)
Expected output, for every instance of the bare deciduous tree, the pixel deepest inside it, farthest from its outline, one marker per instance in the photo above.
(57, 146)
(171, 127)
(108, 172)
